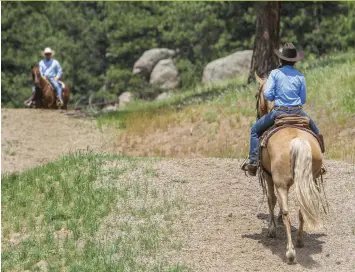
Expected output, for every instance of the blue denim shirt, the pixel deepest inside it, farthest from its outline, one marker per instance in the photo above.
(50, 69)
(286, 86)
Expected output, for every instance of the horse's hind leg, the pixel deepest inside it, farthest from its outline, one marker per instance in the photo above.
(271, 200)
(300, 230)
(283, 201)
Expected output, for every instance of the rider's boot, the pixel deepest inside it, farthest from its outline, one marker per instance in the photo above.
(30, 101)
(59, 101)
(250, 167)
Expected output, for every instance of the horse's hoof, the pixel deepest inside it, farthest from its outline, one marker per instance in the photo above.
(291, 256)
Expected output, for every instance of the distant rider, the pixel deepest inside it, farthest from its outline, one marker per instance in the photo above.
(51, 69)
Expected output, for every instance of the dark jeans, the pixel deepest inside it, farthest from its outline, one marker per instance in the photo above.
(264, 123)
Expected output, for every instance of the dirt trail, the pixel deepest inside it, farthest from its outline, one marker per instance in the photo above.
(223, 226)
(31, 137)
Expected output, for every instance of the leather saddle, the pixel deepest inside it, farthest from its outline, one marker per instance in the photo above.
(290, 120)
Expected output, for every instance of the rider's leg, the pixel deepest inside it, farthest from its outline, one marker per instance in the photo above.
(312, 125)
(57, 87)
(256, 130)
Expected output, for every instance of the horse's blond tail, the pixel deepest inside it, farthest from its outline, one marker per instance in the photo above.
(306, 191)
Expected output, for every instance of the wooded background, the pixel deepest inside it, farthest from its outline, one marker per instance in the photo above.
(97, 43)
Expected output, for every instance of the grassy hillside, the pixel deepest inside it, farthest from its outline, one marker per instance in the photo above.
(88, 212)
(215, 121)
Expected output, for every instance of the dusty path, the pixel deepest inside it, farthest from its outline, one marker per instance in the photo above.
(30, 137)
(223, 225)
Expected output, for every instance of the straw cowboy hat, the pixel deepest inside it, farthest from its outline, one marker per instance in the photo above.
(47, 50)
(289, 53)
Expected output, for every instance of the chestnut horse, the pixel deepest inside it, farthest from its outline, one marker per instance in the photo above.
(45, 94)
(292, 156)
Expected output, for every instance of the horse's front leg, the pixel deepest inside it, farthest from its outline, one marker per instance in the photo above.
(283, 201)
(271, 200)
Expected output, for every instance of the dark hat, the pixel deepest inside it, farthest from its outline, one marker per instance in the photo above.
(289, 53)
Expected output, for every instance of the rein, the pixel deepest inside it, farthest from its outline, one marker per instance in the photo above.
(258, 97)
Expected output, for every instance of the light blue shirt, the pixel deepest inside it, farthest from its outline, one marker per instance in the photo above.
(286, 86)
(50, 69)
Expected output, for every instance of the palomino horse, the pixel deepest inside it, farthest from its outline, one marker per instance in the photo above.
(45, 94)
(292, 156)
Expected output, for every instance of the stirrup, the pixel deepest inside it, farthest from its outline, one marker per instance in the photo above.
(244, 165)
(59, 102)
(323, 170)
(28, 103)
(244, 168)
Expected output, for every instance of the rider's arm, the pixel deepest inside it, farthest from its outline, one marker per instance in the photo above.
(303, 90)
(41, 67)
(59, 70)
(270, 89)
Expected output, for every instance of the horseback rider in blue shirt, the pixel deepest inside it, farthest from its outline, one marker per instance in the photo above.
(286, 86)
(51, 69)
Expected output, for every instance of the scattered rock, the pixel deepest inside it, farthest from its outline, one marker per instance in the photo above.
(163, 96)
(165, 75)
(228, 67)
(124, 99)
(145, 64)
(110, 108)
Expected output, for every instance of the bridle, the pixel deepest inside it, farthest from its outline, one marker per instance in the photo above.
(36, 77)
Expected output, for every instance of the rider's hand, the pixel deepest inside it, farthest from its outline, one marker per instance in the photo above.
(56, 78)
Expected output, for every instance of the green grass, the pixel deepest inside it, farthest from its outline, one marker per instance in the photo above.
(62, 214)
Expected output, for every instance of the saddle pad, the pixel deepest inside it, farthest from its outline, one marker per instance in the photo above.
(292, 119)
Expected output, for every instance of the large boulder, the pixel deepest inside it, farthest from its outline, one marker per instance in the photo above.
(165, 75)
(228, 67)
(145, 64)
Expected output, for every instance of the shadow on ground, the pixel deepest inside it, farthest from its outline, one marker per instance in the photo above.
(312, 244)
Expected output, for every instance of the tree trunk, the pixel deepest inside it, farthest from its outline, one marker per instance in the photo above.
(266, 39)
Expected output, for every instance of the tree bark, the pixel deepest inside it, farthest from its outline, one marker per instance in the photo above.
(267, 38)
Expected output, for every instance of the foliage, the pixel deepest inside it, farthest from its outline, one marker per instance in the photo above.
(97, 43)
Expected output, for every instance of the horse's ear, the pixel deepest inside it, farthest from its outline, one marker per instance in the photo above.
(259, 79)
